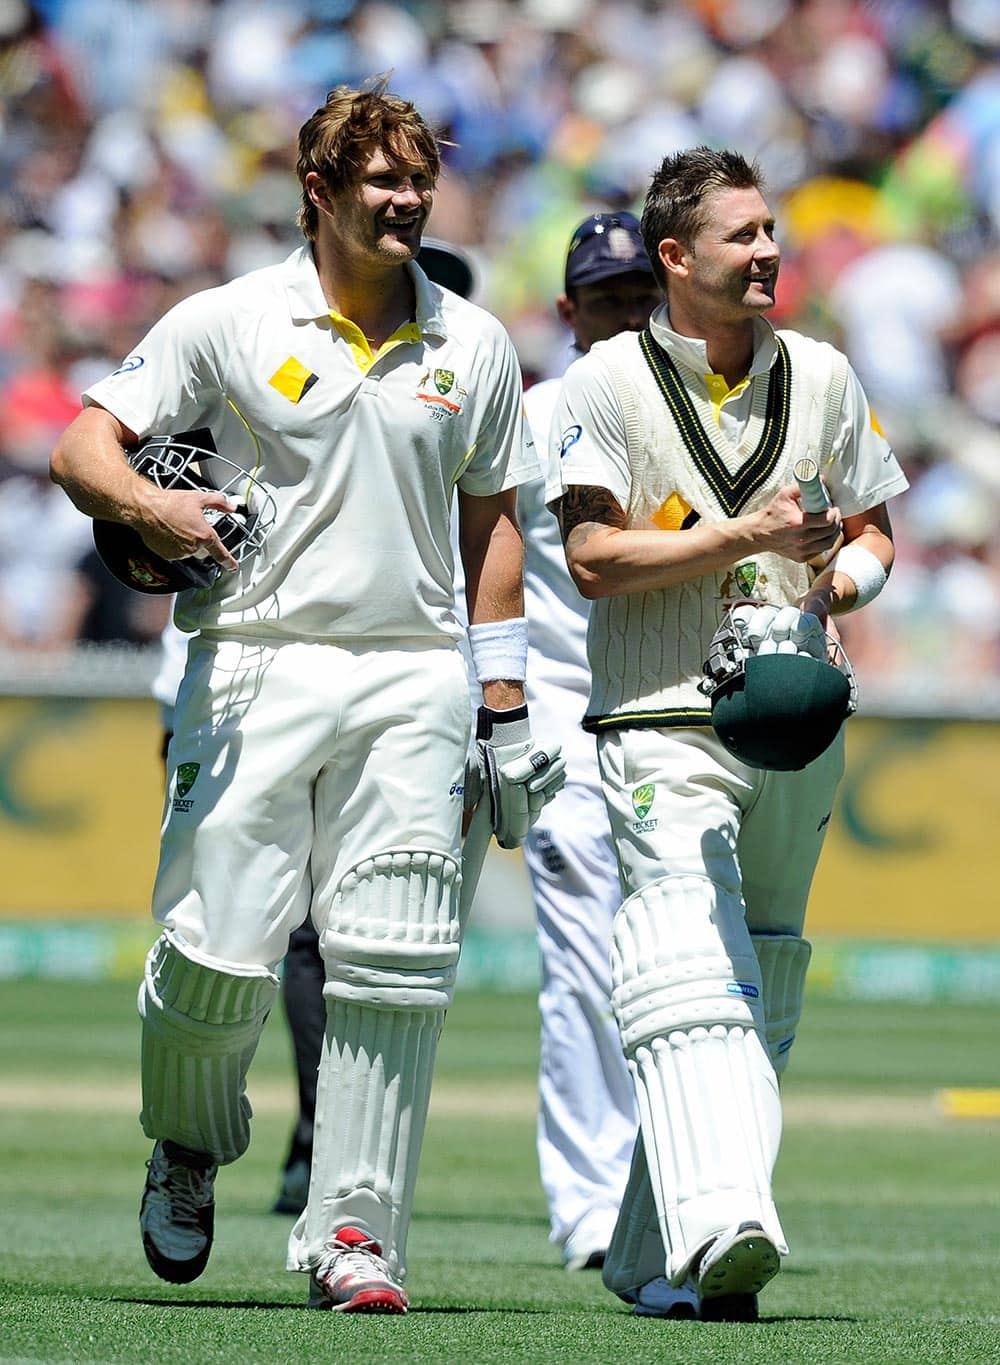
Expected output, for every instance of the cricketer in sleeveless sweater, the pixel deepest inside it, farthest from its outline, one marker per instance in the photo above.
(647, 650)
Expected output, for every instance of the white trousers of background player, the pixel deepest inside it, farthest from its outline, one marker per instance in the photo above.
(586, 1120)
(711, 853)
(313, 778)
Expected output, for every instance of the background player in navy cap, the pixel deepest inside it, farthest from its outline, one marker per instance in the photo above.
(587, 1124)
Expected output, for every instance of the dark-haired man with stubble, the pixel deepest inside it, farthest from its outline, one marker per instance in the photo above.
(673, 481)
(318, 760)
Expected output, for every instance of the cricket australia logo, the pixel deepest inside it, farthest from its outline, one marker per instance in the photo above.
(642, 799)
(439, 406)
(642, 802)
(743, 581)
(746, 578)
(187, 776)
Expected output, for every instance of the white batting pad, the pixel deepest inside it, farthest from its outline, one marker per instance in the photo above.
(371, 1109)
(202, 1020)
(784, 960)
(636, 1253)
(391, 951)
(681, 955)
(687, 996)
(393, 936)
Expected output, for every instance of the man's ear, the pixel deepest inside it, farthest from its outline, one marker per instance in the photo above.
(315, 187)
(566, 308)
(674, 257)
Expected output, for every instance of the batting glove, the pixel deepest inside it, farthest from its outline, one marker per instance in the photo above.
(518, 776)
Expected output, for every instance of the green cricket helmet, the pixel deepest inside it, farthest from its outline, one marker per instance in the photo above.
(779, 686)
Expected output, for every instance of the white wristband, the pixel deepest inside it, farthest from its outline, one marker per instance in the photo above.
(500, 650)
(864, 570)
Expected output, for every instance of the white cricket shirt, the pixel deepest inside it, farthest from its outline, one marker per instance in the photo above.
(360, 453)
(557, 614)
(558, 679)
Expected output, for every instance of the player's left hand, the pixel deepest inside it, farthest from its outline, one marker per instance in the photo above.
(791, 631)
(752, 628)
(517, 775)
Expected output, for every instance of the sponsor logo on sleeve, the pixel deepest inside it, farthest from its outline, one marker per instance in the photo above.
(134, 362)
(569, 439)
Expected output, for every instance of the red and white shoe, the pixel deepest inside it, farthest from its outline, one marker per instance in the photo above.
(352, 1277)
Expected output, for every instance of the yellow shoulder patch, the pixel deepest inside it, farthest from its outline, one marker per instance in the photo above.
(293, 380)
(670, 515)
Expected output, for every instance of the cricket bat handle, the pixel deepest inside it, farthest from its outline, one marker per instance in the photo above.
(815, 497)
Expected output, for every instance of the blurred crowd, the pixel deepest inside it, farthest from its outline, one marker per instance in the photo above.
(146, 151)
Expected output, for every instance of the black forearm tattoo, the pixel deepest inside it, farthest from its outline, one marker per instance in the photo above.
(585, 508)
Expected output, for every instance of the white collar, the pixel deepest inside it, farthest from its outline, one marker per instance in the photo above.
(306, 301)
(692, 352)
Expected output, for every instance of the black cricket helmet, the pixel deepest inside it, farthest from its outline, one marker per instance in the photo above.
(188, 460)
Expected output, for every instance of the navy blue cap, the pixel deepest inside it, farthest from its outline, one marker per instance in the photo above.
(605, 244)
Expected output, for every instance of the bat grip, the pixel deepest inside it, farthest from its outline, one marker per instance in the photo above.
(815, 497)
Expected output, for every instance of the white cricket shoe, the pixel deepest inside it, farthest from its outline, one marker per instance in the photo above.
(352, 1277)
(659, 1299)
(177, 1215)
(587, 1245)
(733, 1270)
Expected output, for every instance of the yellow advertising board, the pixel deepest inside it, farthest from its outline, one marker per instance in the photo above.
(909, 854)
(80, 806)
(910, 851)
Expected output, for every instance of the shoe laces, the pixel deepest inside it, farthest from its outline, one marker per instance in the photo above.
(187, 1189)
(361, 1258)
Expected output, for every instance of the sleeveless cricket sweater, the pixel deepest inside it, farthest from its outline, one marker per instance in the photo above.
(647, 649)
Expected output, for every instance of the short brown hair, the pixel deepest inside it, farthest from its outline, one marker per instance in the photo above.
(675, 201)
(337, 140)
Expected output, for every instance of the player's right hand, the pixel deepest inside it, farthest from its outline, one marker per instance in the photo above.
(785, 528)
(175, 523)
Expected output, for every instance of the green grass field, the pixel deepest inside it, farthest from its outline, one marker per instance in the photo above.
(892, 1209)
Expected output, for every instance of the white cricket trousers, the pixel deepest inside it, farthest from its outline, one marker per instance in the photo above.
(757, 834)
(586, 1119)
(293, 763)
